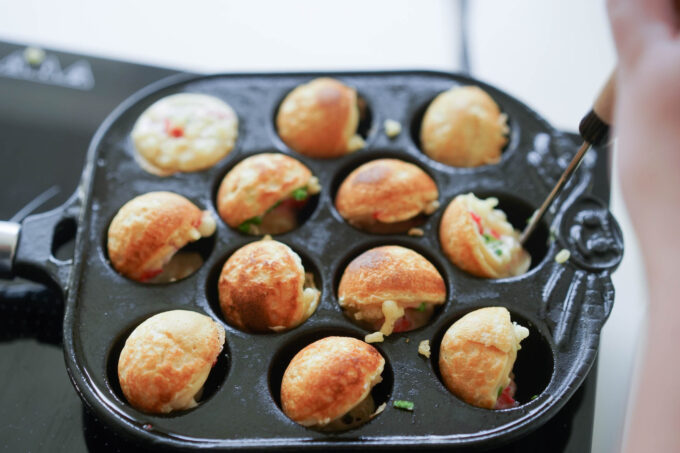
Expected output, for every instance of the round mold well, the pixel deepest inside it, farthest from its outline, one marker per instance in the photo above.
(366, 158)
(365, 117)
(381, 392)
(416, 126)
(302, 215)
(364, 127)
(355, 252)
(215, 380)
(533, 368)
(201, 248)
(517, 212)
(212, 284)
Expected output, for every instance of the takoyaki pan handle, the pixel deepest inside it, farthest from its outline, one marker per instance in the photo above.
(27, 248)
(579, 290)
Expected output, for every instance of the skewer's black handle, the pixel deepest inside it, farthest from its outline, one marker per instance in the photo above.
(593, 129)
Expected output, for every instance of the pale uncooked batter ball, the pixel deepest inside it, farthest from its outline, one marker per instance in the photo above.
(183, 133)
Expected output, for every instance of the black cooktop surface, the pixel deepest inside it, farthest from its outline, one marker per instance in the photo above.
(50, 106)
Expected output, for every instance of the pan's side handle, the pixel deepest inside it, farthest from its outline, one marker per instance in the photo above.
(30, 246)
(579, 291)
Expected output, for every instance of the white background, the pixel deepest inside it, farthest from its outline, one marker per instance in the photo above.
(552, 55)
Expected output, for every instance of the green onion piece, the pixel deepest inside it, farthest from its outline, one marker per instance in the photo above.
(498, 252)
(405, 405)
(422, 306)
(245, 226)
(500, 390)
(300, 194)
(489, 239)
(534, 397)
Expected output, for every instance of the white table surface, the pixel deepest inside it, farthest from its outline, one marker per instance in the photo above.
(553, 56)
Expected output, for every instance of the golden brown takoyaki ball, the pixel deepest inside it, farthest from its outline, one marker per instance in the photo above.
(147, 231)
(320, 119)
(464, 127)
(263, 287)
(478, 238)
(477, 354)
(328, 378)
(386, 191)
(167, 359)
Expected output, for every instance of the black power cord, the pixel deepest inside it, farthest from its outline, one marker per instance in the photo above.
(463, 26)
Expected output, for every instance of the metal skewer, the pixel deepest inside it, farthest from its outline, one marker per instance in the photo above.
(594, 128)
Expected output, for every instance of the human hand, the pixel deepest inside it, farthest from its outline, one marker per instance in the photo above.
(647, 116)
(647, 126)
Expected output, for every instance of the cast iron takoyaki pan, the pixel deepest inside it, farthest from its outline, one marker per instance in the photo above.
(564, 305)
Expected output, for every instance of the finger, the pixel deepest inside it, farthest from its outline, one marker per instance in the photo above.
(638, 23)
(646, 14)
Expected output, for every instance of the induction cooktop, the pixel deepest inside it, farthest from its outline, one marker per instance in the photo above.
(51, 103)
